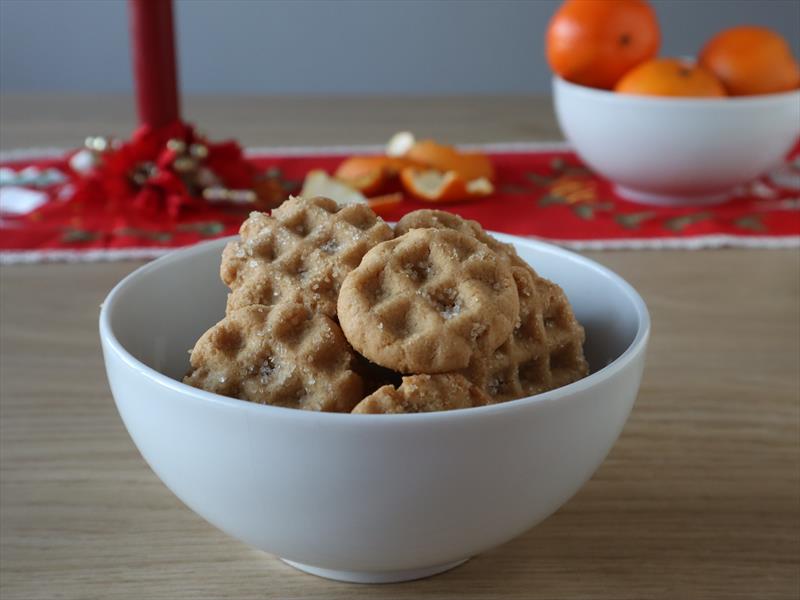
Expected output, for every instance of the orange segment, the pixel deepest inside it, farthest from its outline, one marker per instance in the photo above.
(432, 185)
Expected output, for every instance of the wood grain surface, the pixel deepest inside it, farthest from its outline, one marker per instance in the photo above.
(699, 498)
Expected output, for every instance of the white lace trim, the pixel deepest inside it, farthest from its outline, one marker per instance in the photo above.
(33, 153)
(687, 243)
(505, 147)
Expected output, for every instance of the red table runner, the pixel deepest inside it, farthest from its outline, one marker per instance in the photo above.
(543, 191)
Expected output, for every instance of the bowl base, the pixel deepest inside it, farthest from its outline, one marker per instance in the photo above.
(374, 576)
(670, 200)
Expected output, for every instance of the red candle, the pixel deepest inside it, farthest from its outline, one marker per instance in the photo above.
(154, 70)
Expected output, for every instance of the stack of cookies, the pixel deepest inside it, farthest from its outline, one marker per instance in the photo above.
(332, 310)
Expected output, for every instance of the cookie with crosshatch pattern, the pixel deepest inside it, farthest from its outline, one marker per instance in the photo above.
(424, 393)
(428, 302)
(545, 350)
(441, 219)
(301, 253)
(281, 355)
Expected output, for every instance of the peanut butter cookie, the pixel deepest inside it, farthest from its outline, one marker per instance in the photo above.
(424, 393)
(281, 355)
(545, 350)
(301, 253)
(428, 301)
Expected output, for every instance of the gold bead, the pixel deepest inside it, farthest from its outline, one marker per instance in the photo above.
(176, 145)
(198, 151)
(206, 178)
(184, 164)
(242, 196)
(96, 143)
(215, 193)
(142, 172)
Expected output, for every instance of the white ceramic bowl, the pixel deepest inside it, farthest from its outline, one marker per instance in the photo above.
(368, 498)
(676, 151)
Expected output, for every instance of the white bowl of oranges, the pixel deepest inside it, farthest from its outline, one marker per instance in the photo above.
(671, 131)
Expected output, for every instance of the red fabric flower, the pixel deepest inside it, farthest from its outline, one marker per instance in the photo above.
(140, 174)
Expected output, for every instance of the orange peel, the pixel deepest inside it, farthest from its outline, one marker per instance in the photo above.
(432, 185)
(433, 155)
(446, 158)
(369, 174)
(426, 170)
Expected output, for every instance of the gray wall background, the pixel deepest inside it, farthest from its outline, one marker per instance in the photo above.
(332, 46)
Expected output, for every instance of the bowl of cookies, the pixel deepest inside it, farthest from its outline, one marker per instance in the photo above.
(373, 403)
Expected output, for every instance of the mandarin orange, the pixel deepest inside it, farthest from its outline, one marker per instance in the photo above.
(751, 60)
(670, 77)
(595, 42)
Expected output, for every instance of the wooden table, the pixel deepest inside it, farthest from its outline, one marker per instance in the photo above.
(700, 497)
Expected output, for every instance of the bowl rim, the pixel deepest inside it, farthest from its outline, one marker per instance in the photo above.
(732, 102)
(634, 349)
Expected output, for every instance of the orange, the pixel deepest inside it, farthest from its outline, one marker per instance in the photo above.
(670, 77)
(369, 174)
(751, 60)
(595, 42)
(439, 157)
(432, 185)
